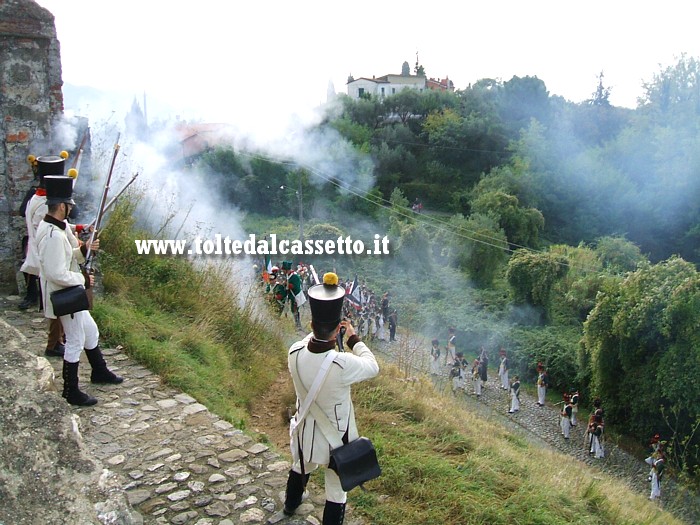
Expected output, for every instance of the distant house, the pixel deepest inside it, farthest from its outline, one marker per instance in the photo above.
(195, 139)
(388, 85)
(444, 84)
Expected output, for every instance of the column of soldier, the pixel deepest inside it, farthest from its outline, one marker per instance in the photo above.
(460, 371)
(286, 287)
(53, 257)
(373, 317)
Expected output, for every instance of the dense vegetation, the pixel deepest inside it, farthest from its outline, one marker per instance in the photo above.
(566, 233)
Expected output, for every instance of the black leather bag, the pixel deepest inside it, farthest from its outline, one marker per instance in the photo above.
(355, 463)
(70, 300)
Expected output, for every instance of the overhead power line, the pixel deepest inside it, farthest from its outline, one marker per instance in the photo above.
(427, 220)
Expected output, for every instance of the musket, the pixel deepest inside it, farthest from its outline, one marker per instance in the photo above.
(79, 152)
(114, 199)
(101, 209)
(313, 274)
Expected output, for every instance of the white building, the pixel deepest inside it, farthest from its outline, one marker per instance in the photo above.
(384, 86)
(391, 84)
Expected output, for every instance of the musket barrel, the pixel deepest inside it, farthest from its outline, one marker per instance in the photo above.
(114, 199)
(79, 153)
(100, 211)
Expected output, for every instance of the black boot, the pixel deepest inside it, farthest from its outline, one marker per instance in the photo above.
(333, 513)
(58, 350)
(296, 483)
(65, 381)
(71, 392)
(100, 373)
(31, 298)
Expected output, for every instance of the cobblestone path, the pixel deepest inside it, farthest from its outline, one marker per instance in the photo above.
(177, 462)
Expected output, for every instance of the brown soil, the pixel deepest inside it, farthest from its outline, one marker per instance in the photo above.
(269, 413)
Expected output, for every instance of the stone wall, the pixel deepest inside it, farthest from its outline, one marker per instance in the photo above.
(31, 101)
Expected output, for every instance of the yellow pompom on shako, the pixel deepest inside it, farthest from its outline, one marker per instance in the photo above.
(31, 159)
(64, 154)
(326, 300)
(330, 279)
(73, 173)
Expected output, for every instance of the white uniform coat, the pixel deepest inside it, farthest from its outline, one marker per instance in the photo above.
(59, 257)
(333, 397)
(36, 211)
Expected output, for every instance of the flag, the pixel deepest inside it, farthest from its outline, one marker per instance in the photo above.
(354, 294)
(267, 269)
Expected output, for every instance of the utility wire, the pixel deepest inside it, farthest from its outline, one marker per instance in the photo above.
(426, 220)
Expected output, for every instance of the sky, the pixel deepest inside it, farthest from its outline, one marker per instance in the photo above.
(264, 63)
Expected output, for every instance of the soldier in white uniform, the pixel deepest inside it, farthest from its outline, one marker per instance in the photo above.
(310, 448)
(514, 395)
(35, 213)
(503, 370)
(59, 257)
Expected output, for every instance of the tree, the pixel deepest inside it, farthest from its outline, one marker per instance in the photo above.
(643, 339)
(405, 69)
(404, 104)
(532, 276)
(601, 97)
(521, 225)
(478, 246)
(523, 99)
(471, 144)
(618, 254)
(367, 112)
(674, 91)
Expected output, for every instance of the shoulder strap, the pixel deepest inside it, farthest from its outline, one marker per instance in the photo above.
(313, 391)
(331, 434)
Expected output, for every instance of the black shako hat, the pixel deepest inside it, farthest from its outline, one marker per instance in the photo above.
(58, 189)
(50, 165)
(326, 300)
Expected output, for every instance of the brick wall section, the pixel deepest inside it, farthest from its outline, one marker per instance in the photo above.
(31, 100)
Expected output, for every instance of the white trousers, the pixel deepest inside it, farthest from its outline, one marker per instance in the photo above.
(565, 425)
(81, 332)
(655, 486)
(505, 383)
(514, 402)
(596, 447)
(541, 391)
(334, 490)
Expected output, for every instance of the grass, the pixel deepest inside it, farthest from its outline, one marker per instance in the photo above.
(441, 464)
(185, 323)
